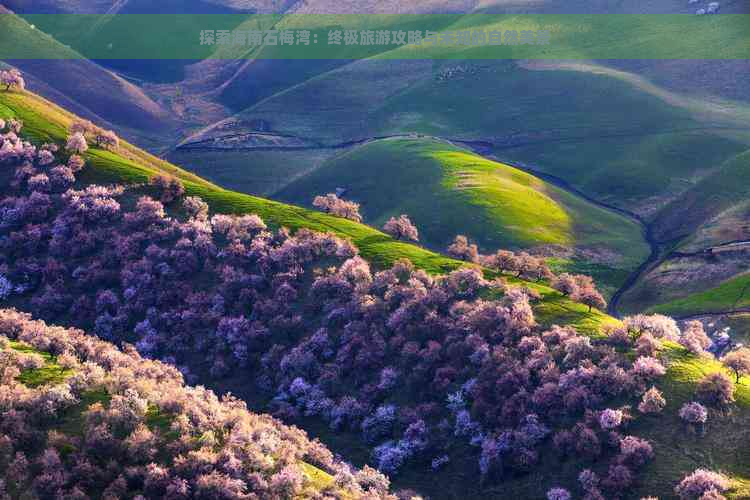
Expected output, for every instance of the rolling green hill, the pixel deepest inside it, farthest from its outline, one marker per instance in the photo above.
(603, 134)
(61, 71)
(722, 448)
(47, 122)
(446, 190)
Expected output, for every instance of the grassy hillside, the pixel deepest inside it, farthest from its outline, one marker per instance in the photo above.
(718, 449)
(599, 43)
(732, 295)
(723, 189)
(47, 122)
(607, 137)
(634, 170)
(263, 173)
(72, 423)
(711, 213)
(448, 190)
(90, 86)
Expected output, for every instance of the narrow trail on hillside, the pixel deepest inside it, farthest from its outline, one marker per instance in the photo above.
(707, 251)
(484, 148)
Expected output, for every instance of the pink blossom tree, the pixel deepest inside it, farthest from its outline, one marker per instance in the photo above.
(503, 260)
(610, 419)
(647, 368)
(75, 163)
(694, 413)
(658, 325)
(76, 143)
(12, 78)
(45, 157)
(334, 205)
(462, 250)
(107, 139)
(591, 297)
(652, 401)
(401, 228)
(700, 482)
(80, 126)
(694, 337)
(168, 188)
(716, 389)
(566, 284)
(738, 361)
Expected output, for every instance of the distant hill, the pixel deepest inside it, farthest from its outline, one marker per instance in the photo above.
(703, 230)
(94, 90)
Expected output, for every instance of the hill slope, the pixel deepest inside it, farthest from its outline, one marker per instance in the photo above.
(448, 190)
(130, 165)
(730, 296)
(704, 231)
(718, 449)
(90, 406)
(725, 188)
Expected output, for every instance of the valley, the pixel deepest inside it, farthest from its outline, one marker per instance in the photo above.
(208, 288)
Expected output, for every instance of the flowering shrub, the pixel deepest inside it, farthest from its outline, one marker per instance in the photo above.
(693, 413)
(701, 482)
(334, 205)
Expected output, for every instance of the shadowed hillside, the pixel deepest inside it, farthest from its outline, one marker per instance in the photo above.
(93, 88)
